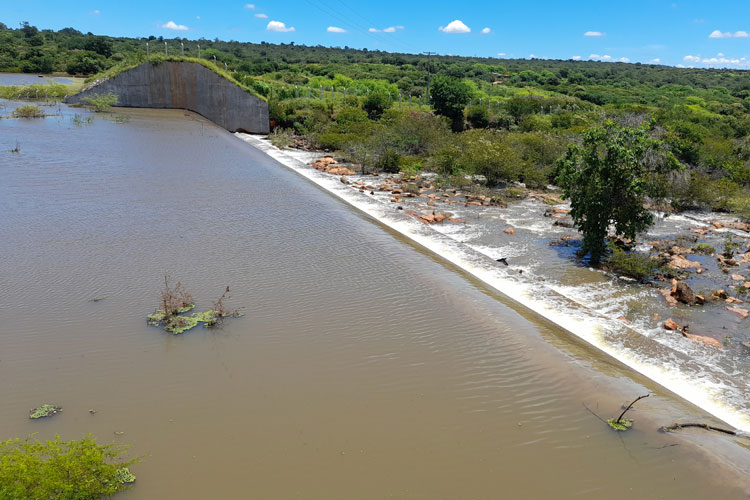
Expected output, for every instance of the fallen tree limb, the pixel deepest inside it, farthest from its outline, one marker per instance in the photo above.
(677, 426)
(629, 407)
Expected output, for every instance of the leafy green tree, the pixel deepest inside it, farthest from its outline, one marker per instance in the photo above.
(63, 470)
(609, 178)
(375, 103)
(450, 95)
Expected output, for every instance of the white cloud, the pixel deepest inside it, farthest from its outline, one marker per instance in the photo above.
(655, 61)
(250, 6)
(279, 27)
(680, 65)
(720, 60)
(335, 29)
(594, 33)
(486, 31)
(719, 34)
(501, 54)
(741, 34)
(624, 60)
(597, 57)
(455, 26)
(576, 58)
(171, 25)
(96, 12)
(389, 29)
(261, 16)
(532, 56)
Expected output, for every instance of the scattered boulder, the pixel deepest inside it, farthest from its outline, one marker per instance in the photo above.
(704, 340)
(733, 300)
(680, 262)
(671, 325)
(738, 277)
(719, 295)
(667, 294)
(683, 293)
(432, 218)
(742, 313)
(509, 231)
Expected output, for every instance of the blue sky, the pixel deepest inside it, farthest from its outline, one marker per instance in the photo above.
(688, 33)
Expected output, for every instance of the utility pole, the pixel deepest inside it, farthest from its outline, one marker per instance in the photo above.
(429, 72)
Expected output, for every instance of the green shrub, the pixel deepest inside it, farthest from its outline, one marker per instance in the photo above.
(376, 103)
(281, 137)
(633, 264)
(477, 116)
(62, 470)
(350, 115)
(100, 102)
(28, 111)
(740, 205)
(704, 248)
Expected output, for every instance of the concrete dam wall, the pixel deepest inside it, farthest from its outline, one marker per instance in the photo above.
(185, 85)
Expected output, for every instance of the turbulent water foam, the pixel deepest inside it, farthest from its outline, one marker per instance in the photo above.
(584, 311)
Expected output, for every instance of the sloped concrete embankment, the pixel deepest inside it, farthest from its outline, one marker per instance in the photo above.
(185, 85)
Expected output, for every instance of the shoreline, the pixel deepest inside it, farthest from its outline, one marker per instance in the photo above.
(509, 285)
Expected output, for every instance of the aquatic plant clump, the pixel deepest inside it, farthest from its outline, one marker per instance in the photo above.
(28, 111)
(44, 411)
(124, 476)
(78, 469)
(175, 302)
(623, 425)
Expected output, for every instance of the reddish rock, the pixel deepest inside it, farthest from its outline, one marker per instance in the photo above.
(624, 319)
(460, 221)
(738, 277)
(671, 325)
(719, 295)
(671, 301)
(742, 313)
(509, 231)
(733, 300)
(656, 317)
(338, 171)
(680, 262)
(704, 340)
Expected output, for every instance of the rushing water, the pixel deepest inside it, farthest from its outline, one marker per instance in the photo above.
(614, 315)
(365, 366)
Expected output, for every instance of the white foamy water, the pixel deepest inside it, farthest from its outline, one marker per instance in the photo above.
(588, 310)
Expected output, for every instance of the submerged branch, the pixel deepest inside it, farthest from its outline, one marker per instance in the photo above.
(677, 426)
(629, 407)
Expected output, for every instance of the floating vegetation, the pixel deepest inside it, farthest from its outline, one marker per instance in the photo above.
(44, 411)
(124, 476)
(175, 302)
(17, 149)
(623, 425)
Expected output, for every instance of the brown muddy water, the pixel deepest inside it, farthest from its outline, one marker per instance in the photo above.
(364, 367)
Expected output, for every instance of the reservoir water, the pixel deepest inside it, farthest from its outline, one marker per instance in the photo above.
(365, 366)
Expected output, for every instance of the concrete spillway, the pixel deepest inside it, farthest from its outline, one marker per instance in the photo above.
(185, 85)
